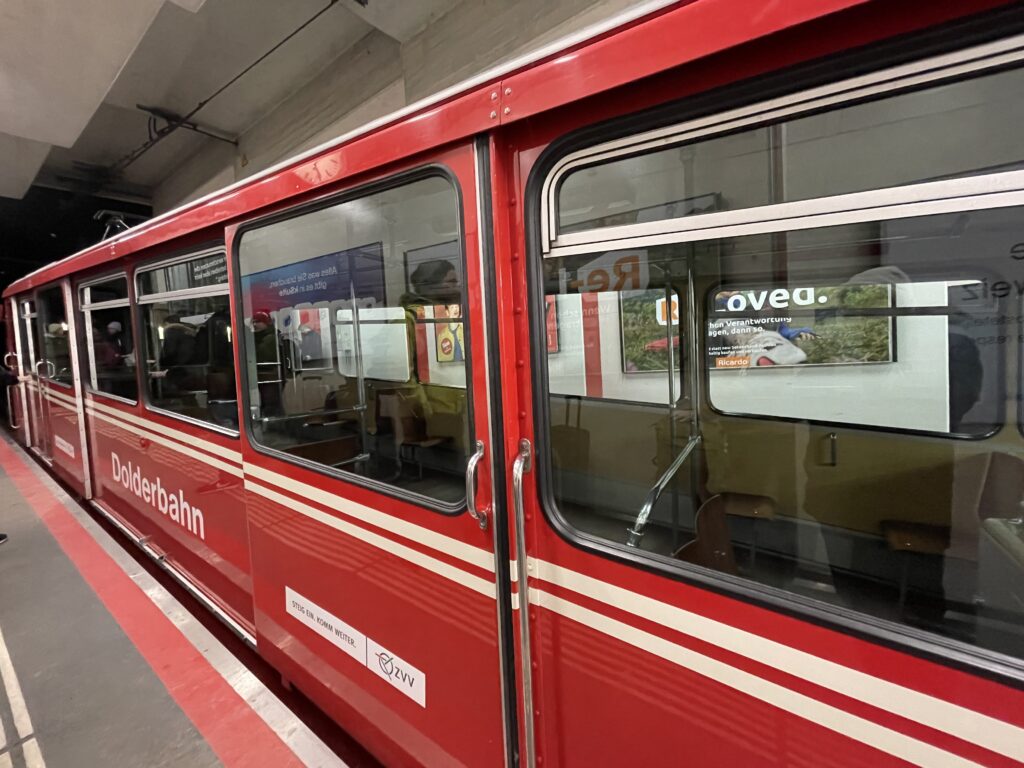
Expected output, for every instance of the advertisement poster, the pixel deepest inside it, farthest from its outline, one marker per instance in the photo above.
(323, 278)
(449, 334)
(647, 325)
(551, 323)
(810, 325)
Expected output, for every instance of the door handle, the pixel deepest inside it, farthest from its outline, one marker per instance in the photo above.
(523, 464)
(15, 356)
(10, 408)
(479, 515)
(830, 452)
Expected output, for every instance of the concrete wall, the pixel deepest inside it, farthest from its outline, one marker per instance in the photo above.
(379, 75)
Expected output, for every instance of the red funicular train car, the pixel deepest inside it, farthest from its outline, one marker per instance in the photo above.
(653, 401)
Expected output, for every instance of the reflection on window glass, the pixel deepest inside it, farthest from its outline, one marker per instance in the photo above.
(189, 363)
(56, 349)
(109, 362)
(898, 139)
(355, 340)
(832, 422)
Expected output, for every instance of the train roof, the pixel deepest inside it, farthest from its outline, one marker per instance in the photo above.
(645, 39)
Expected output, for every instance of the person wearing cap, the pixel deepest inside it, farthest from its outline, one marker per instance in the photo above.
(111, 350)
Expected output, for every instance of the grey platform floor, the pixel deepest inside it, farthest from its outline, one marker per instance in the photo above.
(84, 695)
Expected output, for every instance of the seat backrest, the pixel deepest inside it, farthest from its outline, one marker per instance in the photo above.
(399, 410)
(712, 545)
(984, 486)
(1004, 487)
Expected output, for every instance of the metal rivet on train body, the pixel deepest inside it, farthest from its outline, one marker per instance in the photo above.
(494, 95)
(507, 110)
(522, 414)
(520, 363)
(508, 91)
(493, 114)
(517, 311)
(535, 665)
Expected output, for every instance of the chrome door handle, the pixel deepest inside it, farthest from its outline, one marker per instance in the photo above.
(10, 408)
(15, 356)
(479, 515)
(523, 464)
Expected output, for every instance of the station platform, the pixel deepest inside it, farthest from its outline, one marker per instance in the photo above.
(102, 665)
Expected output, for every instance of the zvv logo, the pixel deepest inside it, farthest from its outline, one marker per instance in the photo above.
(397, 671)
(393, 671)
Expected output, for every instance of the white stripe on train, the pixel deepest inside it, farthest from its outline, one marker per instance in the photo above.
(970, 726)
(206, 445)
(878, 736)
(231, 469)
(448, 571)
(966, 724)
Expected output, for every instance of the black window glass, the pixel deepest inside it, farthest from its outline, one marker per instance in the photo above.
(115, 289)
(196, 273)
(189, 359)
(53, 325)
(899, 139)
(822, 411)
(356, 344)
(109, 361)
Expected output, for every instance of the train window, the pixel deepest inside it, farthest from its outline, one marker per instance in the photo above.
(818, 410)
(56, 350)
(909, 137)
(355, 343)
(189, 362)
(110, 351)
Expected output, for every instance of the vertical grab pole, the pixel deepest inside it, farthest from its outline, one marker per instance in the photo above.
(523, 464)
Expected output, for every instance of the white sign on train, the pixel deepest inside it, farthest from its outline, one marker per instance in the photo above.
(387, 665)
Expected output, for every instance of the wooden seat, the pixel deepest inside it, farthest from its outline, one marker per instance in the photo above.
(712, 544)
(408, 428)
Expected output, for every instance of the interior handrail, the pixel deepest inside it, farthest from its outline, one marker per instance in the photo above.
(637, 531)
(310, 414)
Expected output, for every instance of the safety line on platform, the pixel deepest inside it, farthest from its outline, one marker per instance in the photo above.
(87, 547)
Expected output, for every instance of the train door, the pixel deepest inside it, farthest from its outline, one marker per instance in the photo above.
(368, 461)
(60, 417)
(767, 497)
(16, 361)
(37, 370)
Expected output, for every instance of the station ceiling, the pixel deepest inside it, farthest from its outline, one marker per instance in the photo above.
(72, 77)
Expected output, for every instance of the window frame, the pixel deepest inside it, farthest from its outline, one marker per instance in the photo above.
(782, 86)
(37, 319)
(403, 178)
(917, 75)
(85, 308)
(141, 300)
